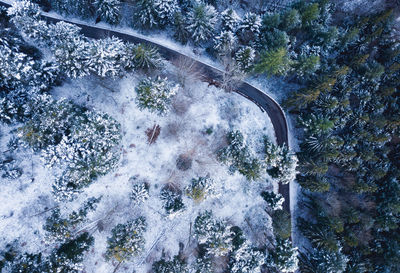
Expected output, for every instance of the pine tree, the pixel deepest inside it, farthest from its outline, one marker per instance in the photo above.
(181, 33)
(291, 20)
(307, 65)
(172, 200)
(200, 189)
(249, 28)
(139, 193)
(143, 57)
(214, 234)
(225, 43)
(202, 19)
(323, 261)
(109, 10)
(127, 240)
(245, 58)
(165, 10)
(274, 62)
(273, 200)
(155, 94)
(229, 20)
(246, 260)
(146, 16)
(203, 265)
(284, 256)
(176, 265)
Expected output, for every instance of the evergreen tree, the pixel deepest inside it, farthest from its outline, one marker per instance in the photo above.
(202, 19)
(246, 260)
(181, 33)
(229, 20)
(155, 94)
(139, 193)
(281, 224)
(200, 189)
(284, 257)
(127, 240)
(225, 43)
(323, 261)
(274, 62)
(273, 200)
(165, 10)
(307, 65)
(176, 265)
(109, 10)
(203, 265)
(213, 234)
(244, 58)
(145, 16)
(143, 57)
(249, 28)
(172, 200)
(291, 20)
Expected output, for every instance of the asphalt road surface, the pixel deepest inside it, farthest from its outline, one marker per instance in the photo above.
(211, 74)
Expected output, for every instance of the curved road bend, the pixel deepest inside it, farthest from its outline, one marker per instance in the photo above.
(265, 102)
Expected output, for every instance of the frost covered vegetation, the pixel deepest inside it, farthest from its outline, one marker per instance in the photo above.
(165, 178)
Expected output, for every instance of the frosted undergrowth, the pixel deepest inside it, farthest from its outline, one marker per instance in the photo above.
(195, 109)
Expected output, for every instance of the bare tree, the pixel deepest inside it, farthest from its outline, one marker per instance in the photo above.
(187, 70)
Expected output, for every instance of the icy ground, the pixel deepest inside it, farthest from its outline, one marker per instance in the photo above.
(196, 108)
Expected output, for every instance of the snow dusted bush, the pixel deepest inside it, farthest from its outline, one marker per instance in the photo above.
(155, 94)
(203, 265)
(126, 240)
(281, 163)
(246, 259)
(245, 58)
(229, 20)
(200, 189)
(274, 200)
(202, 19)
(225, 43)
(284, 256)
(172, 200)
(139, 193)
(109, 10)
(214, 234)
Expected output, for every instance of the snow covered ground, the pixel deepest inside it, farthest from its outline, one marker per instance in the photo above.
(196, 108)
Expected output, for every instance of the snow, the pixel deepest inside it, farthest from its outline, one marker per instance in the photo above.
(195, 108)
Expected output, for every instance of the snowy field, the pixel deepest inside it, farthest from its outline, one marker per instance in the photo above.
(196, 108)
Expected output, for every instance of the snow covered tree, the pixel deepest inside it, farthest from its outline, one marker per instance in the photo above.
(291, 19)
(176, 265)
(229, 20)
(181, 33)
(200, 189)
(307, 65)
(273, 200)
(62, 229)
(104, 57)
(225, 43)
(238, 156)
(139, 193)
(274, 39)
(145, 15)
(202, 19)
(127, 240)
(165, 10)
(215, 235)
(281, 162)
(144, 57)
(249, 28)
(323, 261)
(274, 62)
(109, 10)
(203, 265)
(172, 200)
(284, 256)
(246, 259)
(244, 58)
(155, 94)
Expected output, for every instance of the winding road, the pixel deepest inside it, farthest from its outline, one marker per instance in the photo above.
(264, 101)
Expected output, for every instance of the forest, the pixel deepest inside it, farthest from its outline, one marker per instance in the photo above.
(126, 161)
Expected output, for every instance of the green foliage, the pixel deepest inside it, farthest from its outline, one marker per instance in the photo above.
(309, 14)
(109, 10)
(238, 156)
(201, 21)
(273, 200)
(291, 19)
(181, 33)
(323, 261)
(284, 257)
(155, 94)
(200, 188)
(307, 65)
(274, 62)
(145, 57)
(281, 224)
(126, 240)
